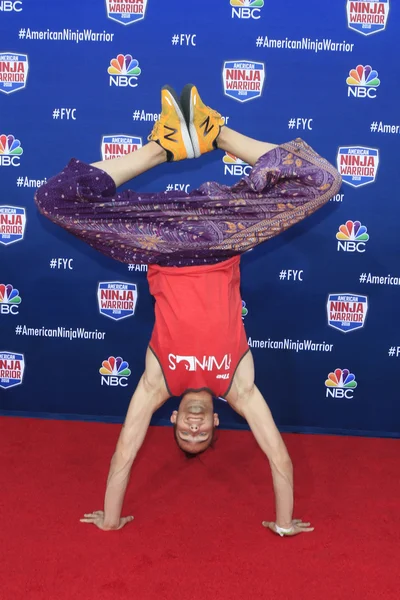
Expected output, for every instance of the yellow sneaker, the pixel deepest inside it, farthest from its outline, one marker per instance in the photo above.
(171, 131)
(203, 122)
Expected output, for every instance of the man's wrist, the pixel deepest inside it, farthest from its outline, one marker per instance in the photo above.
(283, 530)
(110, 524)
(284, 524)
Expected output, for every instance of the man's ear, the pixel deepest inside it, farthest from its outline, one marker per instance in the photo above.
(216, 420)
(174, 417)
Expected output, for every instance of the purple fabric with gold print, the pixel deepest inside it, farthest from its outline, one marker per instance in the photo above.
(210, 224)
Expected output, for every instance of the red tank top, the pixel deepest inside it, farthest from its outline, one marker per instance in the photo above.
(198, 336)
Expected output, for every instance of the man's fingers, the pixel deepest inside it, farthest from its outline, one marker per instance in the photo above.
(301, 524)
(92, 520)
(298, 530)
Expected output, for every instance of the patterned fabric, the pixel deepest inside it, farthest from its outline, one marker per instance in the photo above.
(209, 225)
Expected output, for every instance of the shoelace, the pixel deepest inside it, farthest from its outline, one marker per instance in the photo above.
(214, 113)
(155, 133)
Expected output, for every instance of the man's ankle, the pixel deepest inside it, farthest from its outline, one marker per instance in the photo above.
(219, 140)
(158, 151)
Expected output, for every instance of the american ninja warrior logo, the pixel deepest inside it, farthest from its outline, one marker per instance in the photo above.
(13, 71)
(114, 146)
(368, 17)
(347, 312)
(117, 299)
(126, 12)
(358, 165)
(12, 224)
(12, 366)
(243, 80)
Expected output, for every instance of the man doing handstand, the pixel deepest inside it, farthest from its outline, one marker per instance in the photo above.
(192, 244)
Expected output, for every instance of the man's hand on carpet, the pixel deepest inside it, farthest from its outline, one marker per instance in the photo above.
(97, 518)
(297, 527)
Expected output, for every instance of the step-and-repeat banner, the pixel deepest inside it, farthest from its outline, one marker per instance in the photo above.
(320, 302)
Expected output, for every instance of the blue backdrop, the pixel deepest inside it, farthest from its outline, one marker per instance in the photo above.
(320, 301)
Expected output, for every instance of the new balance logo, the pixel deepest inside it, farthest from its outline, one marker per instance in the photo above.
(206, 126)
(169, 135)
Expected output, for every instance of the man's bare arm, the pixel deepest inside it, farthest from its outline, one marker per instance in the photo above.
(149, 395)
(246, 399)
(261, 423)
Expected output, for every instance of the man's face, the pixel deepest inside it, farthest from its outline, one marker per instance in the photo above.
(195, 422)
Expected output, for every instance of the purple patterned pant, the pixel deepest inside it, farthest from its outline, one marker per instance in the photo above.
(208, 225)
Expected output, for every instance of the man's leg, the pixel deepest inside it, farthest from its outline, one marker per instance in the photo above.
(152, 154)
(169, 140)
(245, 148)
(133, 164)
(291, 183)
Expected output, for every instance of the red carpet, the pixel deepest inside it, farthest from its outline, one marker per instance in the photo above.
(197, 531)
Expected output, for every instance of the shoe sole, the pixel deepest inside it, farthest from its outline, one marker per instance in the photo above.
(188, 111)
(184, 129)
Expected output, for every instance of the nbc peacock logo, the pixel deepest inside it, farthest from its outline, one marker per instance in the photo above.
(124, 71)
(340, 384)
(362, 82)
(114, 372)
(126, 12)
(10, 151)
(9, 299)
(352, 237)
(235, 166)
(246, 9)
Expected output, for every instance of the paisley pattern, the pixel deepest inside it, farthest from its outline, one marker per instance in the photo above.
(206, 226)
